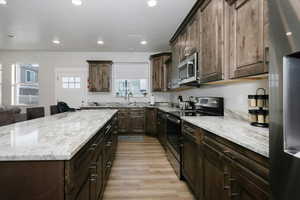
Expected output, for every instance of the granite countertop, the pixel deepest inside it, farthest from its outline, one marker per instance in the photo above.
(230, 127)
(57, 137)
(238, 131)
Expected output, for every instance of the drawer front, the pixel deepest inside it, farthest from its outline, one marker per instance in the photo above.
(192, 132)
(137, 112)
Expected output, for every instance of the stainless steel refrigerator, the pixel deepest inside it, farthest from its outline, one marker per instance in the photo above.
(285, 99)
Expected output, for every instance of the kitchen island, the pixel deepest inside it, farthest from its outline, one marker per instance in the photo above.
(63, 157)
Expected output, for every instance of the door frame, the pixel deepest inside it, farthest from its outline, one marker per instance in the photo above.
(70, 70)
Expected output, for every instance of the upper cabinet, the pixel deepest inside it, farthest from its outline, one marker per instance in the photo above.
(99, 76)
(248, 37)
(160, 71)
(211, 40)
(230, 36)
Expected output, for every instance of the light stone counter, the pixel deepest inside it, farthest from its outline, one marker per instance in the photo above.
(235, 130)
(57, 137)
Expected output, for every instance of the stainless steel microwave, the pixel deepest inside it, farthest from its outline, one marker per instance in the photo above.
(188, 70)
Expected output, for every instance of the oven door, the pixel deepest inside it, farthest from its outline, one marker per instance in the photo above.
(174, 133)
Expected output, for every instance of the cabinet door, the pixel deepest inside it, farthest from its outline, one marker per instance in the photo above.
(105, 77)
(189, 161)
(161, 129)
(211, 41)
(193, 34)
(156, 64)
(151, 122)
(247, 186)
(99, 76)
(123, 121)
(84, 193)
(215, 172)
(247, 45)
(137, 121)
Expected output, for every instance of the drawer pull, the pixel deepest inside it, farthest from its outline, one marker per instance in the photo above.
(92, 179)
(234, 194)
(93, 167)
(94, 175)
(226, 188)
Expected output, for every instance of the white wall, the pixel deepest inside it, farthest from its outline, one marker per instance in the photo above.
(235, 94)
(50, 61)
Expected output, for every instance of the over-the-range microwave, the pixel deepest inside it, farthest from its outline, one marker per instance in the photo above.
(188, 70)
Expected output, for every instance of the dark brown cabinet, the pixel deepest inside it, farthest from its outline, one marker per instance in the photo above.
(211, 40)
(84, 177)
(131, 121)
(123, 121)
(137, 116)
(215, 168)
(248, 45)
(151, 122)
(230, 36)
(190, 156)
(99, 76)
(162, 128)
(159, 72)
(215, 173)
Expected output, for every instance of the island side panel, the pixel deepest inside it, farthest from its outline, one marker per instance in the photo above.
(34, 180)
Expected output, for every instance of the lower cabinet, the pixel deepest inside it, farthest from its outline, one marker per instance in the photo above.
(189, 156)
(217, 169)
(131, 121)
(151, 122)
(215, 174)
(162, 128)
(86, 175)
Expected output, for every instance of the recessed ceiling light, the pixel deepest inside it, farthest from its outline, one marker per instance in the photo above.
(289, 33)
(77, 2)
(100, 42)
(152, 3)
(144, 42)
(56, 41)
(3, 2)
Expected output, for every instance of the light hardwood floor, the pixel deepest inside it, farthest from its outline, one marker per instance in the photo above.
(141, 171)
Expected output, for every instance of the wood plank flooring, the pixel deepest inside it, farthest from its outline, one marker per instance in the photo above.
(141, 171)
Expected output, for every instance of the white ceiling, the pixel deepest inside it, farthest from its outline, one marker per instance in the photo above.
(121, 24)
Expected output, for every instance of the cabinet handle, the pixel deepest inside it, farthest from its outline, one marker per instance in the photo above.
(91, 149)
(226, 187)
(234, 194)
(92, 180)
(94, 175)
(93, 167)
(267, 53)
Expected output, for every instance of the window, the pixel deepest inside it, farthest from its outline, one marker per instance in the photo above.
(133, 87)
(131, 79)
(25, 86)
(71, 83)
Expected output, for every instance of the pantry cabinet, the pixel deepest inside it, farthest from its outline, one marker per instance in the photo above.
(211, 40)
(159, 71)
(99, 76)
(247, 35)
